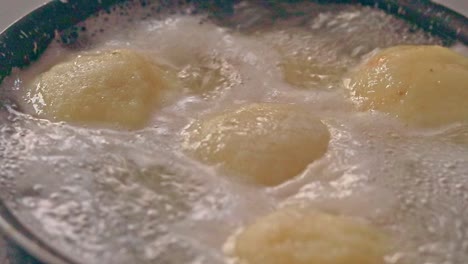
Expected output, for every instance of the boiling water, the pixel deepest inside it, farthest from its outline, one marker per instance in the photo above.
(108, 196)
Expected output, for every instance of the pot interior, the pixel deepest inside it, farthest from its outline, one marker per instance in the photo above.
(99, 195)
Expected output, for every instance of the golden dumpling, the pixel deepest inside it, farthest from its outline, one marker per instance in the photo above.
(302, 236)
(113, 88)
(266, 143)
(423, 85)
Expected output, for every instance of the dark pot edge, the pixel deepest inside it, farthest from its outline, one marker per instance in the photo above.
(19, 236)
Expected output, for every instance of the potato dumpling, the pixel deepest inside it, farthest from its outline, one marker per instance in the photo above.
(266, 143)
(117, 88)
(423, 85)
(296, 235)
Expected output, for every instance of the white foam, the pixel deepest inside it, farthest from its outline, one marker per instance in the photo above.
(120, 197)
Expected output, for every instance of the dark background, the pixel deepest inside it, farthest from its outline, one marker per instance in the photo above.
(3, 257)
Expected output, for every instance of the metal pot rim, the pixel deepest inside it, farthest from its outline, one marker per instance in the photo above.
(21, 236)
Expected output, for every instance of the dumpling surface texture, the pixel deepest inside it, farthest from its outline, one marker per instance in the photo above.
(423, 85)
(265, 143)
(303, 236)
(117, 88)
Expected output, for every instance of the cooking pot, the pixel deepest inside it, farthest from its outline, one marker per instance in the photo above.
(25, 41)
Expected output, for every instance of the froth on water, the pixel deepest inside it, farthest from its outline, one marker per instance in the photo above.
(116, 196)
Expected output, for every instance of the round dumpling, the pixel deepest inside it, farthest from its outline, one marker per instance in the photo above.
(114, 88)
(296, 235)
(266, 143)
(423, 85)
